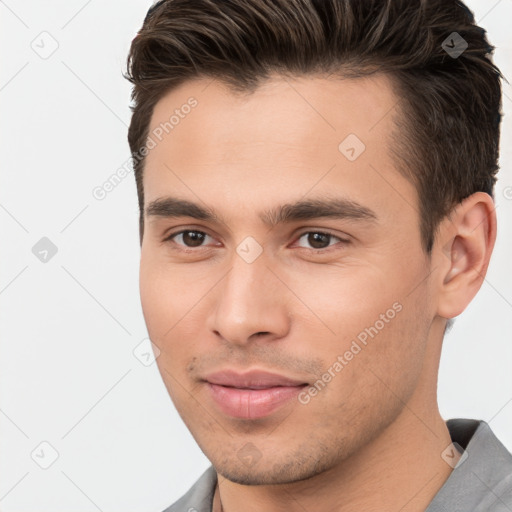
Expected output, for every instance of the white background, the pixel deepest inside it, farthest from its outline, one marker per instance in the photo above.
(68, 375)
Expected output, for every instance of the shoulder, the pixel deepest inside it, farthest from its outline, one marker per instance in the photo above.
(482, 479)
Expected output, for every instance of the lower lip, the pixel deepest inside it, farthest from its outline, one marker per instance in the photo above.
(252, 403)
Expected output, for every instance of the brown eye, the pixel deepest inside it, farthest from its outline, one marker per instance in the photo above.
(188, 238)
(318, 240)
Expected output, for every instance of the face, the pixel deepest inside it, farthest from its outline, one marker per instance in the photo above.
(290, 301)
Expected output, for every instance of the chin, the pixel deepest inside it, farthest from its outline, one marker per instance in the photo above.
(293, 469)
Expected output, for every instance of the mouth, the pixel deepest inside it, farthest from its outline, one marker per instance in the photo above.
(251, 395)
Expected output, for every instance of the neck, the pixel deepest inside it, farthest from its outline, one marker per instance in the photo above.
(401, 470)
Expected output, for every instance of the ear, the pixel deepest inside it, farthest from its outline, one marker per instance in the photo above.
(463, 248)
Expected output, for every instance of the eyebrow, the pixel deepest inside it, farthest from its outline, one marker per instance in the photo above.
(333, 208)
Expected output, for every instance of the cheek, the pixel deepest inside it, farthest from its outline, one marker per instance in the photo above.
(343, 301)
(163, 304)
(369, 319)
(155, 298)
(165, 295)
(171, 301)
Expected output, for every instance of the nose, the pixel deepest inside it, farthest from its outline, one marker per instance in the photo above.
(250, 303)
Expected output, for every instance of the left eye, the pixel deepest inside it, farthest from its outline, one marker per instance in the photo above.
(319, 240)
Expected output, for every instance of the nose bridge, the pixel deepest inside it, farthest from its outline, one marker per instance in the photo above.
(249, 301)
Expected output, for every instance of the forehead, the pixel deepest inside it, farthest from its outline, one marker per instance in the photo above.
(320, 110)
(286, 138)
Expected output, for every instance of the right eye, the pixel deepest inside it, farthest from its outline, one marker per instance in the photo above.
(188, 238)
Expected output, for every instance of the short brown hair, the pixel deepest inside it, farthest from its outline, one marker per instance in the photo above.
(449, 122)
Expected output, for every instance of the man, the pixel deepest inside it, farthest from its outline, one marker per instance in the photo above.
(315, 183)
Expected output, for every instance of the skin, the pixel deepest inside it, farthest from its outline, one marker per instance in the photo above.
(372, 438)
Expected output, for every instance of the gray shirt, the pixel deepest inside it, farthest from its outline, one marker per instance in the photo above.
(480, 482)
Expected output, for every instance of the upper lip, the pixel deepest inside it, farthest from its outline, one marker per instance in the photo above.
(253, 379)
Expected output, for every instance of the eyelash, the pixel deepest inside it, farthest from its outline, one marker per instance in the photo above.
(193, 249)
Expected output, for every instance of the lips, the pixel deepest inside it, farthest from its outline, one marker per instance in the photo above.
(253, 394)
(251, 380)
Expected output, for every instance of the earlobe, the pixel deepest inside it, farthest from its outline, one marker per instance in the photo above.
(466, 239)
